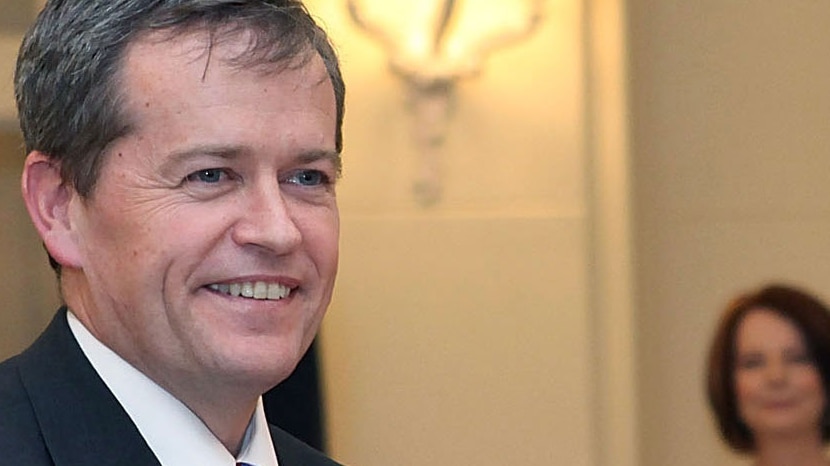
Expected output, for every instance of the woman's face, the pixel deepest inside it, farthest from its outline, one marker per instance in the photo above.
(777, 383)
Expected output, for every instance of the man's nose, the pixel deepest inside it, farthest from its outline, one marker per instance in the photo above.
(267, 220)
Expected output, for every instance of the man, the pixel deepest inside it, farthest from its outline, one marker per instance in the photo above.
(182, 156)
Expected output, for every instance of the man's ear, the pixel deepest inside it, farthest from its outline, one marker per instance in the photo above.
(48, 201)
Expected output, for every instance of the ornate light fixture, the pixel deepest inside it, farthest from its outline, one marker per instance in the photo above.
(433, 44)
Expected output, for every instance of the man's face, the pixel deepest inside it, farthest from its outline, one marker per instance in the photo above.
(209, 244)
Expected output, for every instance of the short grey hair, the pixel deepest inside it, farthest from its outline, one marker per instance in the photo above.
(67, 81)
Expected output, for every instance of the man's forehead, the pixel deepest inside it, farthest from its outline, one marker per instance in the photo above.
(198, 54)
(239, 47)
(189, 48)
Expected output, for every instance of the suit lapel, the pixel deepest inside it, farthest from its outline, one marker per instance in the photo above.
(292, 452)
(81, 421)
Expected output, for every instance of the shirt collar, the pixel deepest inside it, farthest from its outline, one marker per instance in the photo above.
(175, 434)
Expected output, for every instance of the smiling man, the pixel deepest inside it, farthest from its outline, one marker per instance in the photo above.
(182, 158)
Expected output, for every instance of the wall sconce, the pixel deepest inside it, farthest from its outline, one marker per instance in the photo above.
(433, 44)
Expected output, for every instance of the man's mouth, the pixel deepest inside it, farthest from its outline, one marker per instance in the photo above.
(253, 290)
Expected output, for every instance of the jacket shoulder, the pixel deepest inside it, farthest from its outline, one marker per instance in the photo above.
(293, 452)
(21, 441)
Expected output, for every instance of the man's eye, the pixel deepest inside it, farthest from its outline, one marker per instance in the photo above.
(209, 175)
(309, 178)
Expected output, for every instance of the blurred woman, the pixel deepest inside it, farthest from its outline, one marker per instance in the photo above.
(768, 376)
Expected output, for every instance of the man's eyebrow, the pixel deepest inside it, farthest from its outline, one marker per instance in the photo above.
(231, 152)
(315, 155)
(219, 151)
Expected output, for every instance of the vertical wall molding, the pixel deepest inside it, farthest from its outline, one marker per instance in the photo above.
(616, 419)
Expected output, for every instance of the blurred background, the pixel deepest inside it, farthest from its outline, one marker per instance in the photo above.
(608, 183)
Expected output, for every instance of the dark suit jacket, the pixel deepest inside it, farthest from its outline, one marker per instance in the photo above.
(56, 410)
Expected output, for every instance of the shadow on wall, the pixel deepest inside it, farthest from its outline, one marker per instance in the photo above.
(27, 283)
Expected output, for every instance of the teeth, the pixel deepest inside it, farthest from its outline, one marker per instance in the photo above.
(260, 290)
(248, 290)
(277, 292)
(254, 290)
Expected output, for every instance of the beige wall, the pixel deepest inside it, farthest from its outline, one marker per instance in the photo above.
(730, 106)
(9, 43)
(469, 332)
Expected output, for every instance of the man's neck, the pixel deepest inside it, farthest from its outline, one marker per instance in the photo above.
(229, 423)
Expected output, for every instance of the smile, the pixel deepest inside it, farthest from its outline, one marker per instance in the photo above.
(253, 290)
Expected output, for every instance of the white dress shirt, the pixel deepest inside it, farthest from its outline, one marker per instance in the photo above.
(174, 433)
